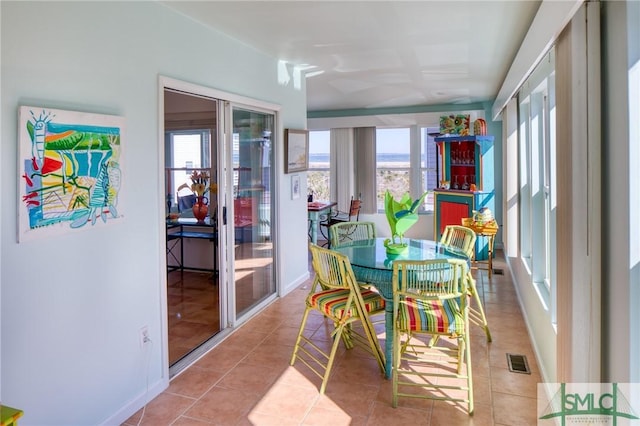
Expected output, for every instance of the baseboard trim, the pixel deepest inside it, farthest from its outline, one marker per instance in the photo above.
(137, 403)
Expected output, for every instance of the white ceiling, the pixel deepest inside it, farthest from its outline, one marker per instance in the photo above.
(377, 54)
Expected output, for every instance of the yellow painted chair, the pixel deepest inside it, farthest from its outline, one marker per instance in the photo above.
(336, 295)
(464, 239)
(430, 299)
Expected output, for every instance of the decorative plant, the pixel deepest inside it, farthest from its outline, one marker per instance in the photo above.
(401, 215)
(200, 182)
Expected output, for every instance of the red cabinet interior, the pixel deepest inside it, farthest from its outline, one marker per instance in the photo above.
(452, 214)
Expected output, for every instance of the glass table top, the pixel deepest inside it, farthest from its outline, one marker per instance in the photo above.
(373, 254)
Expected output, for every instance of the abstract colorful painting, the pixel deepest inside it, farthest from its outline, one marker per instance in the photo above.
(70, 171)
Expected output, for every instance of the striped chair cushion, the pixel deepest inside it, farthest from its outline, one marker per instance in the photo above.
(332, 302)
(430, 316)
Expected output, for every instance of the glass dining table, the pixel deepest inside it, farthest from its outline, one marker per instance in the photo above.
(371, 264)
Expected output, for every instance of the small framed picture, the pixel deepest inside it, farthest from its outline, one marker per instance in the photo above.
(295, 187)
(296, 150)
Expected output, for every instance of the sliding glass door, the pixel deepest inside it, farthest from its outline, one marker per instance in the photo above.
(252, 184)
(220, 269)
(193, 291)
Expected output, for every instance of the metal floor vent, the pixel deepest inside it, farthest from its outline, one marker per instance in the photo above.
(518, 364)
(498, 271)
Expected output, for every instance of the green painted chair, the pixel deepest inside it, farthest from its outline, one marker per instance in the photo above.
(430, 299)
(345, 232)
(336, 295)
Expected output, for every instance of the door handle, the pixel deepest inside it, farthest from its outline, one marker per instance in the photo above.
(224, 215)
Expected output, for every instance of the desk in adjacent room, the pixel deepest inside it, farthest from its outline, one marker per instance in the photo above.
(184, 228)
(315, 209)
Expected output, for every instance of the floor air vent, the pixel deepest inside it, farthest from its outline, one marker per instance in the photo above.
(497, 271)
(518, 364)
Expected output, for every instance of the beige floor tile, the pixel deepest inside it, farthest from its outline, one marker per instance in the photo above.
(322, 417)
(194, 382)
(163, 410)
(250, 378)
(289, 401)
(503, 380)
(349, 397)
(445, 413)
(384, 414)
(270, 355)
(222, 358)
(247, 379)
(482, 391)
(514, 410)
(187, 421)
(223, 406)
(262, 419)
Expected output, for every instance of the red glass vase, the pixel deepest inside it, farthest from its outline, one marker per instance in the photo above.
(200, 208)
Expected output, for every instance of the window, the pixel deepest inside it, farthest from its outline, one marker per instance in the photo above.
(537, 180)
(188, 151)
(393, 165)
(405, 162)
(318, 176)
(524, 155)
(428, 164)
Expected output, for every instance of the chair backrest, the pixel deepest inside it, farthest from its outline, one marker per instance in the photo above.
(460, 237)
(332, 269)
(185, 202)
(354, 210)
(345, 232)
(430, 279)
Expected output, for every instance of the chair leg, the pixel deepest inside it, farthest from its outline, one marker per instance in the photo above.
(338, 334)
(332, 355)
(300, 333)
(395, 364)
(467, 346)
(374, 343)
(476, 315)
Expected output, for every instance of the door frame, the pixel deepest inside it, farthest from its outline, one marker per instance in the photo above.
(228, 320)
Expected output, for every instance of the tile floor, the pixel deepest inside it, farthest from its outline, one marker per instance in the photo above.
(247, 380)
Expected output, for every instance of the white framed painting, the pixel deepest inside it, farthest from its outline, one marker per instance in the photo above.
(70, 173)
(296, 150)
(295, 187)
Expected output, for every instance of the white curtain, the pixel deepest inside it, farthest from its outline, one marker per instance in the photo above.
(342, 167)
(365, 168)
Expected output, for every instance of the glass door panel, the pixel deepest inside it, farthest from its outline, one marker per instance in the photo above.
(251, 160)
(193, 298)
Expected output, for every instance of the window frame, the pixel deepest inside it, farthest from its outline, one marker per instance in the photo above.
(170, 169)
(418, 136)
(314, 169)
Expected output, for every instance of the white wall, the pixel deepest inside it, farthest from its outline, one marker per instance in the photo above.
(72, 306)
